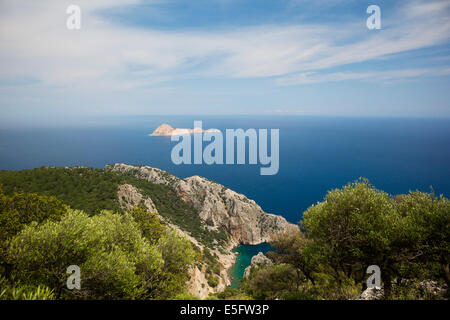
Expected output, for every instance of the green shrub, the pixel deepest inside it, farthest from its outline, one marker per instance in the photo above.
(19, 210)
(213, 281)
(185, 296)
(24, 292)
(116, 262)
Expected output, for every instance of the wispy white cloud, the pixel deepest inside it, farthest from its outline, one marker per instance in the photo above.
(316, 3)
(35, 44)
(371, 76)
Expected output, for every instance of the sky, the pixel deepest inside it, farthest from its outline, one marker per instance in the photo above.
(213, 57)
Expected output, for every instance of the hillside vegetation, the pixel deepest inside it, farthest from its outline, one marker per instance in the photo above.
(95, 190)
(406, 236)
(122, 256)
(32, 198)
(51, 218)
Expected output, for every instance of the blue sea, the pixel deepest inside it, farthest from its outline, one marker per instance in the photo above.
(316, 154)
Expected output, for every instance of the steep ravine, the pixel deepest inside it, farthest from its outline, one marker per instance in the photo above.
(219, 208)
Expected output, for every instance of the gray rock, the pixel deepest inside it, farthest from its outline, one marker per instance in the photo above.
(259, 260)
(219, 207)
(129, 197)
(372, 294)
(241, 217)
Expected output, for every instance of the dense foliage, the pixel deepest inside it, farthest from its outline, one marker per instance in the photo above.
(115, 259)
(407, 236)
(90, 190)
(94, 190)
(19, 210)
(121, 255)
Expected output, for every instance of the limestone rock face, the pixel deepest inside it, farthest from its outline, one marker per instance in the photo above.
(372, 294)
(257, 261)
(198, 284)
(241, 217)
(261, 260)
(218, 207)
(244, 220)
(129, 197)
(430, 287)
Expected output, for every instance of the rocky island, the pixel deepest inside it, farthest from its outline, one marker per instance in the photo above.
(167, 130)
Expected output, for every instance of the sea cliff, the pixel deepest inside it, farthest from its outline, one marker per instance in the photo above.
(219, 208)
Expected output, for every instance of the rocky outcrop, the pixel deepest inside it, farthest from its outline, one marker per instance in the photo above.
(372, 294)
(429, 288)
(197, 284)
(432, 287)
(129, 197)
(146, 173)
(217, 205)
(259, 260)
(244, 220)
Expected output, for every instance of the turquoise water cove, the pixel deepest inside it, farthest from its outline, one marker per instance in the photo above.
(245, 254)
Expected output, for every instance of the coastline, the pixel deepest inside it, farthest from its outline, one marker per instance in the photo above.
(244, 254)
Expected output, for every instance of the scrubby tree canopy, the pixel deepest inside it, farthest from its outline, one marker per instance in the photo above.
(407, 236)
(19, 210)
(120, 255)
(115, 259)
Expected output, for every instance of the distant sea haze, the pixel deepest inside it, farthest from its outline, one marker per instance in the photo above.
(316, 154)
